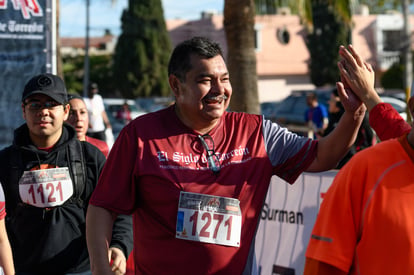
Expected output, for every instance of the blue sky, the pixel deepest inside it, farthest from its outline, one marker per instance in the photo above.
(104, 15)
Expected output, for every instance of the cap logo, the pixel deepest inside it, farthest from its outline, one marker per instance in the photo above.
(44, 81)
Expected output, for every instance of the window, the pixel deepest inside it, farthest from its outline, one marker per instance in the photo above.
(392, 40)
(257, 34)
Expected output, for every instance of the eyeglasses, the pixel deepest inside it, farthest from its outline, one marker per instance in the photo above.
(212, 159)
(36, 105)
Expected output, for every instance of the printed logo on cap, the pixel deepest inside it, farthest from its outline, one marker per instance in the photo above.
(44, 81)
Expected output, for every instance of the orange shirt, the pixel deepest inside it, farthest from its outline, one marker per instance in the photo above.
(366, 221)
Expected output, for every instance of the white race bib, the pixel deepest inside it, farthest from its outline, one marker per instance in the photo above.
(46, 188)
(209, 219)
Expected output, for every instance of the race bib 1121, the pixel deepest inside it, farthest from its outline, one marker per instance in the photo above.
(46, 187)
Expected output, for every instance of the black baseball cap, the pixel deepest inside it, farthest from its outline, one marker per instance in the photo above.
(46, 84)
(93, 86)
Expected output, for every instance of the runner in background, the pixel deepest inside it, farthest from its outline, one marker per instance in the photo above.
(98, 119)
(78, 118)
(6, 256)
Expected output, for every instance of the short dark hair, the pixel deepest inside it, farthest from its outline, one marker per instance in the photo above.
(312, 95)
(74, 96)
(92, 86)
(180, 58)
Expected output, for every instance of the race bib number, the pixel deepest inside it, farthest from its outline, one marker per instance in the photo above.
(46, 188)
(209, 219)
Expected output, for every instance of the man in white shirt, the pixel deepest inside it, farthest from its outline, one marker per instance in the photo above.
(98, 119)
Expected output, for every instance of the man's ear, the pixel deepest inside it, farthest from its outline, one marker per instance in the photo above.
(174, 84)
(66, 109)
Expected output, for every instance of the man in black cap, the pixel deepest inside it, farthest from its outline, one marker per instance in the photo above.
(48, 176)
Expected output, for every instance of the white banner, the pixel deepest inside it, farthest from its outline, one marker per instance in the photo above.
(286, 222)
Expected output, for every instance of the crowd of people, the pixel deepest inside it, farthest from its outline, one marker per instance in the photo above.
(321, 120)
(365, 137)
(183, 187)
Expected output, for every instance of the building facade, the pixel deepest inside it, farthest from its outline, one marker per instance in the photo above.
(281, 67)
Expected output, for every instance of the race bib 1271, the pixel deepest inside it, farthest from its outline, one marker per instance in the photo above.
(209, 219)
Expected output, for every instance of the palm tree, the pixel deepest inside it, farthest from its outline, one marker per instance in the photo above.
(239, 27)
(241, 59)
(304, 8)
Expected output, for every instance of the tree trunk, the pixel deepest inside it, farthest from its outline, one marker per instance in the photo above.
(239, 18)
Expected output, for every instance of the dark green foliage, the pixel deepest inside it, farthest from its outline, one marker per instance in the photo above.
(381, 6)
(393, 78)
(323, 43)
(73, 72)
(142, 52)
(272, 6)
(266, 6)
(100, 72)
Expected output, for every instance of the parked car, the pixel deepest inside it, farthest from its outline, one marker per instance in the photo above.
(113, 105)
(291, 110)
(268, 109)
(394, 93)
(152, 104)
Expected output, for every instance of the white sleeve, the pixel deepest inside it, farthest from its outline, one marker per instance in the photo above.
(280, 143)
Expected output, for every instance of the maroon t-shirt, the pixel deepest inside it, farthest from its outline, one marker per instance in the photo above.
(156, 157)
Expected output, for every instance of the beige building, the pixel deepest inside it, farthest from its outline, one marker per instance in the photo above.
(281, 67)
(74, 46)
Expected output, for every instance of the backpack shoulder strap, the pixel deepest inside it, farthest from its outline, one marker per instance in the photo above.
(75, 153)
(12, 176)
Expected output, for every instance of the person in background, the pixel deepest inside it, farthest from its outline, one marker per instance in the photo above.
(6, 256)
(316, 115)
(98, 119)
(79, 119)
(124, 114)
(195, 175)
(371, 198)
(365, 135)
(48, 176)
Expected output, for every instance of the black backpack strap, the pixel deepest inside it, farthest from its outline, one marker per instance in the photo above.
(77, 168)
(15, 173)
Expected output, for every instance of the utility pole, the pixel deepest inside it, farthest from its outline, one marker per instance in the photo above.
(86, 62)
(408, 73)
